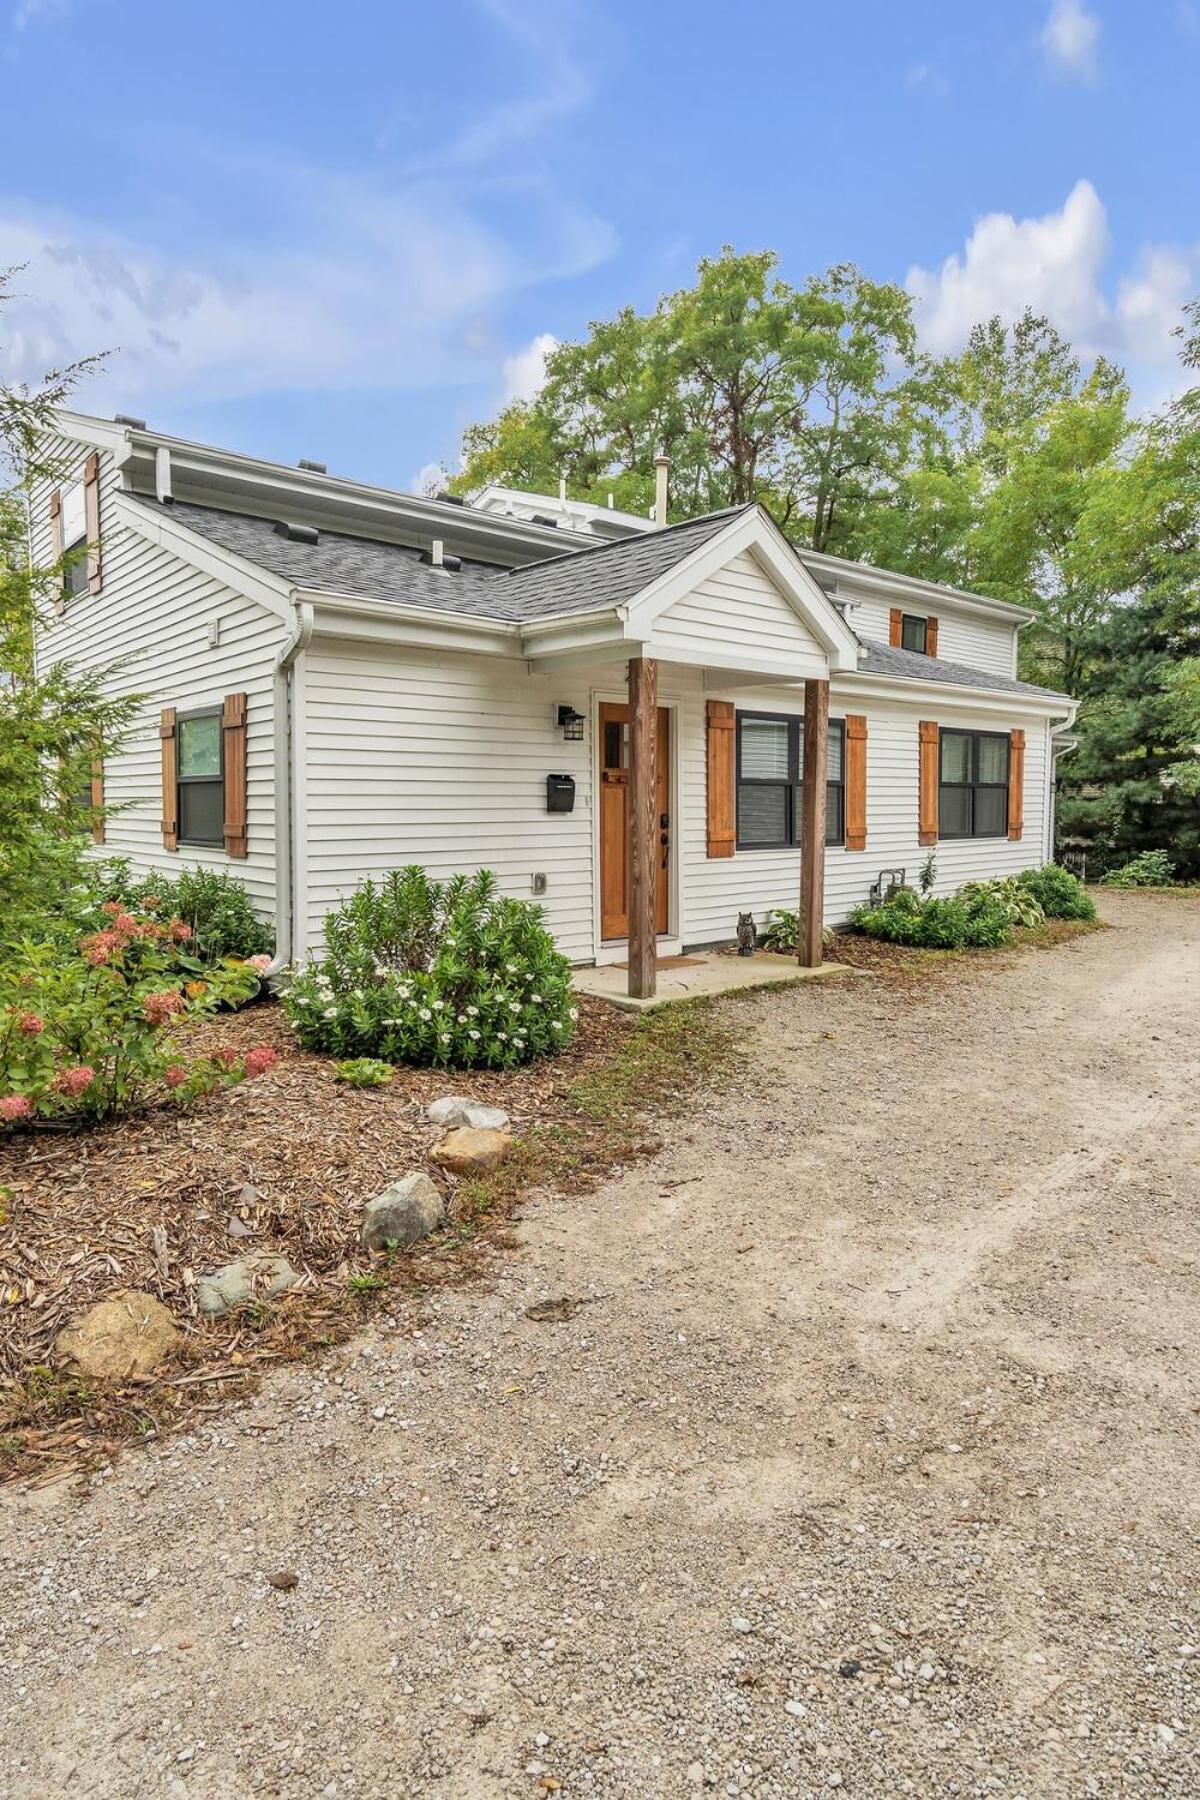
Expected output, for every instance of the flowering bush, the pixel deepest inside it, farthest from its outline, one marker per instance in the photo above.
(215, 905)
(85, 1033)
(419, 971)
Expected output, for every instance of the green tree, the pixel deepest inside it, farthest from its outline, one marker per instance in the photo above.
(54, 720)
(1134, 783)
(756, 389)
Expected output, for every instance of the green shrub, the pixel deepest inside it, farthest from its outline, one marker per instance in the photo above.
(1009, 896)
(450, 974)
(215, 905)
(86, 1033)
(1060, 894)
(1152, 868)
(948, 924)
(781, 931)
(364, 1072)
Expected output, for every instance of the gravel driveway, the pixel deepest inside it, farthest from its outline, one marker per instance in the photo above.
(871, 1459)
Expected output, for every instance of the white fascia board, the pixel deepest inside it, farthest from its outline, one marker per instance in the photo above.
(888, 583)
(736, 661)
(420, 627)
(756, 532)
(164, 529)
(571, 632)
(102, 434)
(938, 696)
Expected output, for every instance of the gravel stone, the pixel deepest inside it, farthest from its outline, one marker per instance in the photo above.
(964, 1210)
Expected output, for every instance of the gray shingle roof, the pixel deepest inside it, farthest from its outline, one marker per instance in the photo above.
(579, 581)
(609, 574)
(884, 659)
(340, 564)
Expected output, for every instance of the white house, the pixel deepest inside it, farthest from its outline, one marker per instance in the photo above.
(341, 679)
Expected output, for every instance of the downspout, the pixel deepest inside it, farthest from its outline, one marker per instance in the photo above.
(1056, 756)
(286, 751)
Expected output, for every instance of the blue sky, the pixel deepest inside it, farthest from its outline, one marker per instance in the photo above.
(345, 232)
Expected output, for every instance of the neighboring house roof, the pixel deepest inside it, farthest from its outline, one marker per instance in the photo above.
(908, 665)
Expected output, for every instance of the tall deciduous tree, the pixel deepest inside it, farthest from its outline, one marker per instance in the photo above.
(758, 390)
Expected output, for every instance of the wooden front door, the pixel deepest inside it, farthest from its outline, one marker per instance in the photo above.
(614, 819)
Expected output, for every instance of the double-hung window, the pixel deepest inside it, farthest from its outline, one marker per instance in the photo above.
(74, 538)
(201, 778)
(972, 784)
(770, 774)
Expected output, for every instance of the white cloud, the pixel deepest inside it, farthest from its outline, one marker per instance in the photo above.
(525, 371)
(289, 277)
(27, 12)
(429, 480)
(1070, 41)
(1056, 265)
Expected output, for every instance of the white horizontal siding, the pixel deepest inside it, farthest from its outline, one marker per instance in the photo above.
(442, 761)
(967, 638)
(716, 889)
(738, 609)
(153, 616)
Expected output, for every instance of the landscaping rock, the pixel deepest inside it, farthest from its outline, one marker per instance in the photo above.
(454, 1110)
(129, 1334)
(260, 1276)
(467, 1151)
(405, 1212)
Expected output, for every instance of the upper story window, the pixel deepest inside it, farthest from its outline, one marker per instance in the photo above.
(770, 774)
(201, 778)
(973, 784)
(74, 541)
(914, 633)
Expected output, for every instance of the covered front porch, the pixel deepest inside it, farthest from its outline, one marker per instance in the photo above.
(701, 976)
(739, 613)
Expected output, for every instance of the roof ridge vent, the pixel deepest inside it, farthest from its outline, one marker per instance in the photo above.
(128, 419)
(298, 534)
(314, 468)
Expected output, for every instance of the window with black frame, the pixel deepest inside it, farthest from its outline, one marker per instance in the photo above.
(914, 633)
(973, 784)
(201, 778)
(770, 775)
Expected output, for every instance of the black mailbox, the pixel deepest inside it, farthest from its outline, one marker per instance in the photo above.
(560, 793)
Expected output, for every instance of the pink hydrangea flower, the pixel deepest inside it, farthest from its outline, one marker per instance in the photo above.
(14, 1107)
(30, 1025)
(99, 947)
(259, 1060)
(158, 1008)
(125, 925)
(180, 930)
(175, 1075)
(225, 1059)
(259, 962)
(112, 908)
(72, 1082)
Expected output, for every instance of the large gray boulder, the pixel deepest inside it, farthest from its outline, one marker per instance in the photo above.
(406, 1211)
(454, 1110)
(259, 1276)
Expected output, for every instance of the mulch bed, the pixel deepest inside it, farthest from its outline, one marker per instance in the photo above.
(146, 1203)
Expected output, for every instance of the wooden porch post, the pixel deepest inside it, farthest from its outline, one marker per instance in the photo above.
(812, 825)
(642, 856)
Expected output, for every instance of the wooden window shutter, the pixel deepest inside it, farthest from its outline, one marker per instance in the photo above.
(722, 797)
(168, 731)
(927, 808)
(56, 524)
(1016, 784)
(895, 628)
(97, 799)
(856, 781)
(931, 637)
(233, 735)
(91, 513)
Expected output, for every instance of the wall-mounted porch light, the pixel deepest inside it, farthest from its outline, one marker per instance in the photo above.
(571, 724)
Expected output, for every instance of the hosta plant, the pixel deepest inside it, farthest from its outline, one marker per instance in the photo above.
(88, 1035)
(421, 971)
(1060, 894)
(364, 1072)
(1006, 895)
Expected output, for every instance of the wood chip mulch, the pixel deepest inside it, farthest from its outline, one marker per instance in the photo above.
(281, 1164)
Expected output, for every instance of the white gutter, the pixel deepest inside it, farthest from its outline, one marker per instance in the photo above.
(287, 750)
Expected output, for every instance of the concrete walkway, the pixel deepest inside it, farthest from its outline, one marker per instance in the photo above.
(701, 976)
